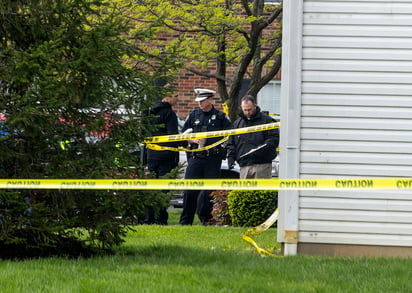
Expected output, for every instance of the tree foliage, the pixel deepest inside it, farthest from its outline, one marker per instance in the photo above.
(74, 95)
(228, 40)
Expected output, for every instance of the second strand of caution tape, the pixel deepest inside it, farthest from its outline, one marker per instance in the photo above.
(260, 229)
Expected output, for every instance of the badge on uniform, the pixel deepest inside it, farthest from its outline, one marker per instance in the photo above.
(197, 122)
(213, 117)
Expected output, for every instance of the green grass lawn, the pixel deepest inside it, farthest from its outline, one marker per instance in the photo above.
(203, 259)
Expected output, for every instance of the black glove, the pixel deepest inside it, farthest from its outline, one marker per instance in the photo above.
(230, 162)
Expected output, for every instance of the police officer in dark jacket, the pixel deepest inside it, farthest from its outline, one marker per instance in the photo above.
(203, 164)
(253, 151)
(162, 162)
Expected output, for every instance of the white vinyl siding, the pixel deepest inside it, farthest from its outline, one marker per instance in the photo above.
(356, 119)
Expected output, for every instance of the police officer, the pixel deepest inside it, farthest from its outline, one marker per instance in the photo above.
(202, 164)
(162, 162)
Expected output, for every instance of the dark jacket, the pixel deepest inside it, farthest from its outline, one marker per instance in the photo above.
(166, 121)
(201, 121)
(239, 145)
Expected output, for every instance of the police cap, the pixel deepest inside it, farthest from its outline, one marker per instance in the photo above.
(202, 94)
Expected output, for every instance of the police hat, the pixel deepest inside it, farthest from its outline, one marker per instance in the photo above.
(202, 94)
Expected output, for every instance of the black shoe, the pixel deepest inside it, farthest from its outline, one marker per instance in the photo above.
(164, 223)
(185, 224)
(147, 222)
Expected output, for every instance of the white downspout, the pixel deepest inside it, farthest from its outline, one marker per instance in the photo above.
(290, 111)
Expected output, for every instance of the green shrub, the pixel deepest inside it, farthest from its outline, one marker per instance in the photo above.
(251, 208)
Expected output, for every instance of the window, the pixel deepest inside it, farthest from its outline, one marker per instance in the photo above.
(268, 97)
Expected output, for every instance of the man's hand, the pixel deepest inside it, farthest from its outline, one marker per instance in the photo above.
(231, 162)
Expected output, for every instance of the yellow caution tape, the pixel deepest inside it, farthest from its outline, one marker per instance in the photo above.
(215, 184)
(260, 229)
(209, 134)
(225, 107)
(210, 184)
(157, 147)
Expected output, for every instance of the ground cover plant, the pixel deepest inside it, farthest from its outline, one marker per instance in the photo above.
(202, 259)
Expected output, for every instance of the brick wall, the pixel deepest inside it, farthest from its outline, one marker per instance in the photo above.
(186, 84)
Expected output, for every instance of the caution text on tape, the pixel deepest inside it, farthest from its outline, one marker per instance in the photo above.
(209, 184)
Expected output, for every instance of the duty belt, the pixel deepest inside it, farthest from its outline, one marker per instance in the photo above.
(206, 153)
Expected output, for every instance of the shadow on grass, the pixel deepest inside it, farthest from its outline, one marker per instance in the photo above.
(193, 256)
(69, 248)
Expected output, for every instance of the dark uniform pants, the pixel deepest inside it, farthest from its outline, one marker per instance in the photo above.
(198, 168)
(161, 168)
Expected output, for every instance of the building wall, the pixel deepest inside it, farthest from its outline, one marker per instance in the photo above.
(186, 84)
(353, 107)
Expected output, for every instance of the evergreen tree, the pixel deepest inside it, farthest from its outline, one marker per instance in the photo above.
(73, 93)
